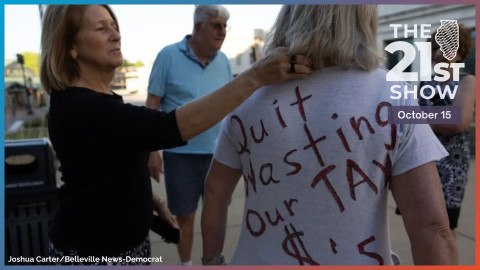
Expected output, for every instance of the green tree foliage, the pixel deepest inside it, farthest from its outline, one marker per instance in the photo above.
(127, 63)
(32, 61)
(138, 64)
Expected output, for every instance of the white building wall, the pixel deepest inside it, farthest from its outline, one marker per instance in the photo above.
(143, 76)
(237, 42)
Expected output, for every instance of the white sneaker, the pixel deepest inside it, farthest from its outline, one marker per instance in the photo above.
(395, 258)
(189, 263)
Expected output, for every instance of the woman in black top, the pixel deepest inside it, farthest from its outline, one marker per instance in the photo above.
(103, 144)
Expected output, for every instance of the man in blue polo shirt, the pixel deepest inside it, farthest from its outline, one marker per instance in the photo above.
(183, 72)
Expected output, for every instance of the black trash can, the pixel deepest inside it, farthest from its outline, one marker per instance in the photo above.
(30, 199)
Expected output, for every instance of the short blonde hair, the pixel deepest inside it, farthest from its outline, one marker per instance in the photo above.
(61, 24)
(341, 34)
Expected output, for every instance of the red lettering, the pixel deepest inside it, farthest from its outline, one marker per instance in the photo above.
(356, 126)
(323, 176)
(261, 230)
(341, 135)
(351, 165)
(387, 169)
(295, 252)
(343, 139)
(393, 127)
(279, 115)
(393, 134)
(300, 101)
(313, 144)
(288, 205)
(297, 165)
(250, 177)
(361, 250)
(270, 177)
(243, 147)
(377, 113)
(333, 245)
(264, 133)
(277, 220)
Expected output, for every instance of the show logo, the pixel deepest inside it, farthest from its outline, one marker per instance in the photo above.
(448, 40)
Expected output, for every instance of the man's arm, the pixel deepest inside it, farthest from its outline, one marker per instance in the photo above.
(155, 160)
(219, 186)
(419, 196)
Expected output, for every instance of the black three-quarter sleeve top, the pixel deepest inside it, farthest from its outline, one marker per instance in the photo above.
(103, 147)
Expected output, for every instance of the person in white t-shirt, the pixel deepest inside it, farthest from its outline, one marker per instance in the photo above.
(318, 156)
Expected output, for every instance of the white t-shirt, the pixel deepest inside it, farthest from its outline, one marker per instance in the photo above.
(315, 154)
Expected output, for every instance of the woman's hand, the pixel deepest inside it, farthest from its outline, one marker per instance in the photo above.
(277, 67)
(155, 165)
(160, 206)
(201, 114)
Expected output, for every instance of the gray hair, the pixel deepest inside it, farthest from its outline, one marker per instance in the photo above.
(342, 34)
(203, 12)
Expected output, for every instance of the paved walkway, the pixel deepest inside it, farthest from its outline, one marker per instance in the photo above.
(20, 114)
(400, 242)
(399, 239)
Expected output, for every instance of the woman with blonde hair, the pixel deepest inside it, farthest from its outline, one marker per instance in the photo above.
(318, 154)
(103, 144)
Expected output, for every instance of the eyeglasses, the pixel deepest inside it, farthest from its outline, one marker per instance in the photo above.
(219, 27)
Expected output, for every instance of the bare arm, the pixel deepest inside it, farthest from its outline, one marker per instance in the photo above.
(160, 206)
(419, 196)
(155, 160)
(219, 185)
(153, 102)
(201, 114)
(465, 98)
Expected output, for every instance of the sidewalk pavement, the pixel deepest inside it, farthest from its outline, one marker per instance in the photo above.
(399, 239)
(20, 114)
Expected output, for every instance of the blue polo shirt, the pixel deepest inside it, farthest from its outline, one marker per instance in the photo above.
(179, 77)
